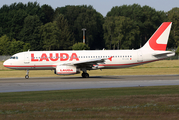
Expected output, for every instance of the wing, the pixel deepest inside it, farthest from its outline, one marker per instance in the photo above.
(88, 64)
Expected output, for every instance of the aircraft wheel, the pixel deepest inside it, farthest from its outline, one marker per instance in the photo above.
(85, 75)
(26, 77)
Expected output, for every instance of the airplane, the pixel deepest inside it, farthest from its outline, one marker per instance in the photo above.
(74, 61)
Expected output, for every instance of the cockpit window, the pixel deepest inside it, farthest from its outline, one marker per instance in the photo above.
(14, 57)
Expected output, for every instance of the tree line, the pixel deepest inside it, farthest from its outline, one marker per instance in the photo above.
(35, 27)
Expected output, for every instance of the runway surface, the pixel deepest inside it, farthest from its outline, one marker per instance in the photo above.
(66, 83)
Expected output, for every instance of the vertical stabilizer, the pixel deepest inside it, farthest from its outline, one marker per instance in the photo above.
(159, 39)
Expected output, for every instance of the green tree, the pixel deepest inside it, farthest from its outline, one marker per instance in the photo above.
(146, 18)
(126, 33)
(109, 26)
(33, 8)
(120, 33)
(93, 24)
(48, 12)
(30, 32)
(4, 45)
(177, 52)
(26, 47)
(80, 46)
(16, 46)
(173, 16)
(65, 37)
(9, 47)
(13, 17)
(49, 36)
(1, 32)
(15, 24)
(84, 17)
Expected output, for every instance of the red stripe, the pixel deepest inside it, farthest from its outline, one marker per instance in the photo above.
(129, 64)
(66, 72)
(153, 40)
(30, 66)
(53, 66)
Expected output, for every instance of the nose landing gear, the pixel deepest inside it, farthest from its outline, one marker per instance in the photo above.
(27, 75)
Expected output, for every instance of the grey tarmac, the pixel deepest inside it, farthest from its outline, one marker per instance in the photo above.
(67, 83)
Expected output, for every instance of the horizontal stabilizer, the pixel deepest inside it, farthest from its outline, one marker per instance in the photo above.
(164, 53)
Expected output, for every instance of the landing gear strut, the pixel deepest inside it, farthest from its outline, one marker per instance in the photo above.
(27, 75)
(84, 74)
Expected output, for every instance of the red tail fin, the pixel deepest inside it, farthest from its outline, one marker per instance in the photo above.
(159, 39)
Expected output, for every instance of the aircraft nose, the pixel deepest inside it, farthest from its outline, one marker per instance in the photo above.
(6, 63)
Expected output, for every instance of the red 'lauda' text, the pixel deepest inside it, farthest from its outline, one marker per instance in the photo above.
(61, 56)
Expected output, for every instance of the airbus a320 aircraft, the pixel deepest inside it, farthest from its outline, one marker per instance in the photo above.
(72, 62)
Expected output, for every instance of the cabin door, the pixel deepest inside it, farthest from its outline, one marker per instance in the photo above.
(139, 57)
(26, 58)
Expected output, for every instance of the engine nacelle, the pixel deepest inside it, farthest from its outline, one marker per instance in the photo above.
(66, 70)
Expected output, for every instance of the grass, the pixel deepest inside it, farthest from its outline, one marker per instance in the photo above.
(116, 103)
(155, 68)
(136, 103)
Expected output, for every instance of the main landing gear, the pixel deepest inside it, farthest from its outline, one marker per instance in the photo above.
(85, 75)
(27, 75)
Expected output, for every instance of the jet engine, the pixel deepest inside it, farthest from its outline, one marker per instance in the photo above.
(66, 70)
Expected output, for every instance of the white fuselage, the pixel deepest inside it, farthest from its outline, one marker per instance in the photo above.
(48, 60)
